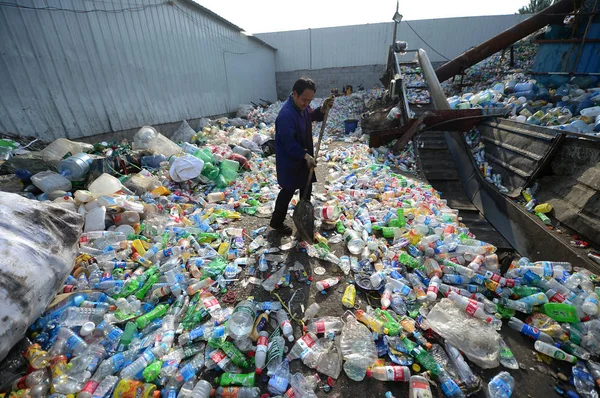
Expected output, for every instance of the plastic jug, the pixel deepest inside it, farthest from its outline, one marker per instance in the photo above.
(75, 167)
(145, 138)
(94, 219)
(591, 112)
(104, 185)
(50, 181)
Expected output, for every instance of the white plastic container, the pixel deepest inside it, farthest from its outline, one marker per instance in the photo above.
(94, 219)
(104, 185)
(49, 181)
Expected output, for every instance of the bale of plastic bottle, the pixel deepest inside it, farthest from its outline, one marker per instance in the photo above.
(38, 241)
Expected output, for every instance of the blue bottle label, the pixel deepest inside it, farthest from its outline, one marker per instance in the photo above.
(503, 389)
(187, 372)
(196, 333)
(117, 361)
(450, 388)
(530, 331)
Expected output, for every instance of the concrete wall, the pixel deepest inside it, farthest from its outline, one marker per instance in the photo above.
(90, 67)
(329, 78)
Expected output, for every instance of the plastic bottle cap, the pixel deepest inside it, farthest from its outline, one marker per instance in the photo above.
(87, 329)
(258, 371)
(369, 373)
(416, 367)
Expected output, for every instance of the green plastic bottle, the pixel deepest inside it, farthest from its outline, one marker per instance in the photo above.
(151, 372)
(401, 219)
(408, 260)
(147, 286)
(236, 356)
(158, 312)
(127, 336)
(524, 291)
(390, 323)
(561, 312)
(420, 355)
(234, 379)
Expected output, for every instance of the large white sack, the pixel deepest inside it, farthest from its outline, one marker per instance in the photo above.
(38, 246)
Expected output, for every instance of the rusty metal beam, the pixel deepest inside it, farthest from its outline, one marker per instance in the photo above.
(470, 57)
(450, 120)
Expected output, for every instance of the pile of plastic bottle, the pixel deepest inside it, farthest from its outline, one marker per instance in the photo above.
(496, 68)
(151, 313)
(568, 107)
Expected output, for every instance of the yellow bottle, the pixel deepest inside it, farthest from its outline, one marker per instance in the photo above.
(373, 323)
(224, 249)
(349, 296)
(543, 208)
(138, 246)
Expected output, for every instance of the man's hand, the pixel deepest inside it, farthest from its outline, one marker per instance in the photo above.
(310, 161)
(327, 104)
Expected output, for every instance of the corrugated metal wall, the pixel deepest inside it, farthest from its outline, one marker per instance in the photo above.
(73, 68)
(367, 44)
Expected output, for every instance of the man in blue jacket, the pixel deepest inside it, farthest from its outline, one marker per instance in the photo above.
(294, 147)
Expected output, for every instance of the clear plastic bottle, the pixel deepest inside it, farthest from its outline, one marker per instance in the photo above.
(357, 348)
(389, 373)
(590, 304)
(311, 311)
(202, 389)
(284, 323)
(144, 360)
(584, 381)
(77, 316)
(71, 341)
(325, 325)
(469, 307)
(279, 379)
(237, 392)
(518, 325)
(501, 386)
(105, 386)
(507, 358)
(418, 387)
(241, 322)
(448, 385)
(462, 367)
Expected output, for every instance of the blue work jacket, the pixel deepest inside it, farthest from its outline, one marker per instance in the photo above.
(293, 139)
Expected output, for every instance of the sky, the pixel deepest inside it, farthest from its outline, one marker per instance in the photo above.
(258, 16)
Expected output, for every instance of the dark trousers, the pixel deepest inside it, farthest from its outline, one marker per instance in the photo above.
(282, 203)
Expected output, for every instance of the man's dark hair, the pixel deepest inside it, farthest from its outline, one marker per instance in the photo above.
(304, 83)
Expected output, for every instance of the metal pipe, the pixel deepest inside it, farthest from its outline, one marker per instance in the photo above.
(435, 88)
(505, 39)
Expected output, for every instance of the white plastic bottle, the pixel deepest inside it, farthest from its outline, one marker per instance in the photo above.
(286, 326)
(432, 289)
(386, 296)
(327, 283)
(261, 351)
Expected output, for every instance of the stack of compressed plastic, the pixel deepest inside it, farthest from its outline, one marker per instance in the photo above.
(151, 309)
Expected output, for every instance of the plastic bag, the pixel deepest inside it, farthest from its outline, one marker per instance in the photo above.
(38, 241)
(186, 168)
(244, 110)
(184, 133)
(477, 340)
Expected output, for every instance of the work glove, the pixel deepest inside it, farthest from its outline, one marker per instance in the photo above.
(310, 161)
(327, 104)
